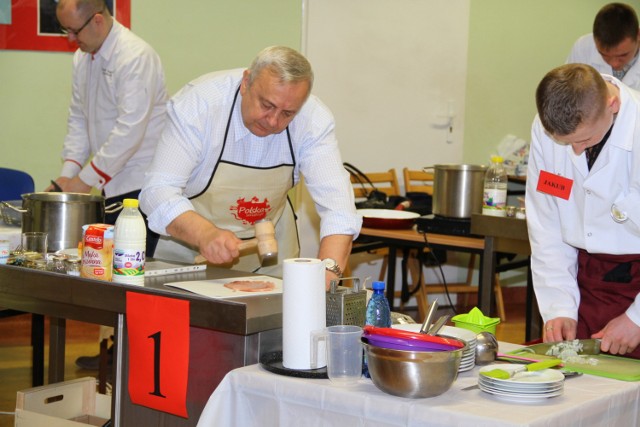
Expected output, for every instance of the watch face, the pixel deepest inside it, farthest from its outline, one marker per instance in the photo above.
(329, 263)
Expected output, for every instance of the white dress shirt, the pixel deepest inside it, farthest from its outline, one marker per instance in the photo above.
(191, 145)
(117, 113)
(558, 227)
(584, 51)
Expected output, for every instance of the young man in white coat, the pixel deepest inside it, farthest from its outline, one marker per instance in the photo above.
(612, 48)
(583, 208)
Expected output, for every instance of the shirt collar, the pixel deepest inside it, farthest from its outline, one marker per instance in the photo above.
(619, 74)
(109, 44)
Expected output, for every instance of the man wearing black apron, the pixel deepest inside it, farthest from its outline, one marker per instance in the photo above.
(235, 143)
(583, 200)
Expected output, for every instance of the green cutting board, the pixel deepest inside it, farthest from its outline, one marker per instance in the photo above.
(619, 368)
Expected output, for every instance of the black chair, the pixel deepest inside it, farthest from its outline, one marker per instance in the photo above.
(14, 183)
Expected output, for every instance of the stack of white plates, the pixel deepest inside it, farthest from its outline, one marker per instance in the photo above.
(468, 360)
(523, 386)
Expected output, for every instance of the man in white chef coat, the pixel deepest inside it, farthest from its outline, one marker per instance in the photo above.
(234, 144)
(583, 208)
(117, 109)
(612, 48)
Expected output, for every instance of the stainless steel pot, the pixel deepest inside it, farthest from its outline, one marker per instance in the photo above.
(62, 215)
(457, 190)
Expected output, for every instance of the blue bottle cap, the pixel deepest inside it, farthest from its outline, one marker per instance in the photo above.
(377, 286)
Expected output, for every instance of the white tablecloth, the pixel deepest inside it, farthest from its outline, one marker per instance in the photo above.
(252, 396)
(11, 233)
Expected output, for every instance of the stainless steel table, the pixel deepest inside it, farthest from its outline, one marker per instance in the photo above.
(224, 334)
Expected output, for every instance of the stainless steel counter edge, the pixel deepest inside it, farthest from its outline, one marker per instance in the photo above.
(99, 302)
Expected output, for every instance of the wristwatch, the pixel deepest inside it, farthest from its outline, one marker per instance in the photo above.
(331, 265)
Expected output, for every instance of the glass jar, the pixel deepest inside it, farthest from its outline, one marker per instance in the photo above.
(73, 266)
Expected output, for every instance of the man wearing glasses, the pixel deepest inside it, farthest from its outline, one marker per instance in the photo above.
(117, 107)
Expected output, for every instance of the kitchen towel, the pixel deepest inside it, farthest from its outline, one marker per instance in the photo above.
(303, 311)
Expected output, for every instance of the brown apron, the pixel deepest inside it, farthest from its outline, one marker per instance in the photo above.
(608, 286)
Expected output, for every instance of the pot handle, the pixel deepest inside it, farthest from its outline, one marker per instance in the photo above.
(429, 168)
(114, 207)
(10, 206)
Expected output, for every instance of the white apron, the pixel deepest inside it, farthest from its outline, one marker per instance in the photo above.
(237, 196)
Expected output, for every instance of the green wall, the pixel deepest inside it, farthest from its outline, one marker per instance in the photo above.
(512, 43)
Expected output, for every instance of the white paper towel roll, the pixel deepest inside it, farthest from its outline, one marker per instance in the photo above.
(303, 311)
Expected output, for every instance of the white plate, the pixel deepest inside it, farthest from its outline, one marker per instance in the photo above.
(506, 385)
(513, 397)
(521, 392)
(546, 376)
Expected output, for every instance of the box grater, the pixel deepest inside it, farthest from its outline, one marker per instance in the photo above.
(346, 306)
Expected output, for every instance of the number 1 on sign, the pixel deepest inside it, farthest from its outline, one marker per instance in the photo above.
(157, 338)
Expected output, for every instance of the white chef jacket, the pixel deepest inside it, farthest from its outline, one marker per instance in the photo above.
(117, 113)
(558, 227)
(191, 145)
(584, 51)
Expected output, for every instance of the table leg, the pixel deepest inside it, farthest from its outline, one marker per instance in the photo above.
(57, 332)
(119, 353)
(485, 287)
(37, 345)
(533, 329)
(391, 276)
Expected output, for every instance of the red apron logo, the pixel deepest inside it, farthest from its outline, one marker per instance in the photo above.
(250, 211)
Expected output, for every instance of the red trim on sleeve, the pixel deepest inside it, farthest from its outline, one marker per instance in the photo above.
(73, 161)
(104, 176)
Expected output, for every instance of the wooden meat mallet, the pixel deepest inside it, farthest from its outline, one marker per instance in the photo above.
(265, 240)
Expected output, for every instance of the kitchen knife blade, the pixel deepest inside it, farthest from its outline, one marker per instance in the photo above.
(589, 347)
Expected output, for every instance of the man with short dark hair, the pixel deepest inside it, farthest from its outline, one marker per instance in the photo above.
(612, 48)
(583, 208)
(117, 112)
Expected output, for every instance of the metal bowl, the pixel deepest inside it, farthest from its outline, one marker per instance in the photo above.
(413, 374)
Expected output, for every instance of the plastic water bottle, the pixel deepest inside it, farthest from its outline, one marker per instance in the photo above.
(378, 311)
(378, 314)
(129, 245)
(494, 200)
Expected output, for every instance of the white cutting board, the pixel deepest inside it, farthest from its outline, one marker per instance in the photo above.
(216, 289)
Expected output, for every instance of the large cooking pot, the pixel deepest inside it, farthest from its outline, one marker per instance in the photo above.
(457, 190)
(62, 215)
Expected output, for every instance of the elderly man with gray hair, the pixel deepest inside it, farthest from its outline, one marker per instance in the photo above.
(234, 144)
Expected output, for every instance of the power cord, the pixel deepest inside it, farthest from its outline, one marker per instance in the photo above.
(439, 265)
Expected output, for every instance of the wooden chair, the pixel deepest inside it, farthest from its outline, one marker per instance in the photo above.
(387, 182)
(421, 181)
